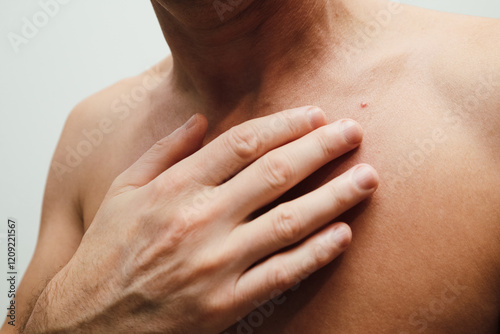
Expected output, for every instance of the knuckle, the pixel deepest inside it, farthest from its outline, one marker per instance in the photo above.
(321, 255)
(309, 266)
(155, 194)
(121, 184)
(317, 258)
(160, 146)
(244, 141)
(286, 226)
(175, 182)
(214, 308)
(211, 263)
(281, 278)
(327, 146)
(341, 197)
(183, 224)
(157, 151)
(277, 171)
(289, 123)
(207, 268)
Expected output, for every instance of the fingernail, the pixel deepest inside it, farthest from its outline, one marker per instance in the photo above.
(365, 177)
(190, 123)
(316, 116)
(341, 236)
(352, 132)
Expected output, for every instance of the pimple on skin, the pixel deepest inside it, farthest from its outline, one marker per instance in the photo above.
(364, 104)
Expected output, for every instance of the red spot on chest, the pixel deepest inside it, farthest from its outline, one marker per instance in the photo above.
(364, 104)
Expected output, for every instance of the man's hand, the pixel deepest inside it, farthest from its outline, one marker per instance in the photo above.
(172, 249)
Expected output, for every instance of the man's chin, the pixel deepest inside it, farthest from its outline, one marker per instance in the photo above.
(204, 14)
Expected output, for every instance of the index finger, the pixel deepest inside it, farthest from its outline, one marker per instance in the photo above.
(241, 145)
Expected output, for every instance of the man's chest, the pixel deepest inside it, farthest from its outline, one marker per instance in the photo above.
(434, 177)
(409, 137)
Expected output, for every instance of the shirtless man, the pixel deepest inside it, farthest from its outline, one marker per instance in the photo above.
(424, 85)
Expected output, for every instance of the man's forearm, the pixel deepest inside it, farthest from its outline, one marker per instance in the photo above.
(67, 306)
(37, 320)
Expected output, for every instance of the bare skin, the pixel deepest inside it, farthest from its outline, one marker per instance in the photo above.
(425, 88)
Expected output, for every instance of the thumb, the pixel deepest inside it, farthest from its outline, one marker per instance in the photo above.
(165, 153)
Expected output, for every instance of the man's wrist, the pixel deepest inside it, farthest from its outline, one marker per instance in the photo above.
(52, 312)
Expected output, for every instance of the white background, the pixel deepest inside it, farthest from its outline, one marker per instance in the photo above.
(85, 47)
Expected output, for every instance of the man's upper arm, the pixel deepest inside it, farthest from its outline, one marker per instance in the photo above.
(60, 230)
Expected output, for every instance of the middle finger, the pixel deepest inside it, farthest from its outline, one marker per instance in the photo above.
(279, 170)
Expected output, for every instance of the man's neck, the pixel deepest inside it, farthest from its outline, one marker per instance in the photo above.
(227, 54)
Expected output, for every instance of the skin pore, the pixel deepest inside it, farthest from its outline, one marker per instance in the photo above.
(423, 85)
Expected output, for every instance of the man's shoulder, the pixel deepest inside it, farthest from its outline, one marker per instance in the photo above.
(127, 93)
(466, 46)
(464, 64)
(94, 125)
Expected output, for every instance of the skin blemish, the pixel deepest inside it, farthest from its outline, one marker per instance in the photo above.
(364, 104)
